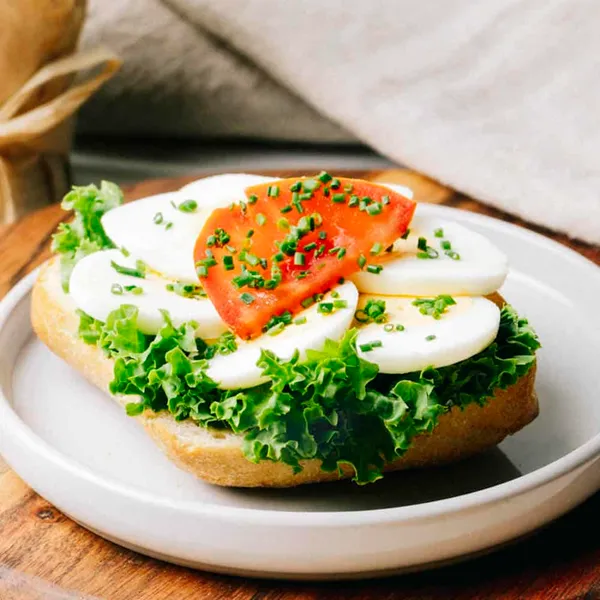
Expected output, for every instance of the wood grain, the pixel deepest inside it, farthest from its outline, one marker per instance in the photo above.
(560, 562)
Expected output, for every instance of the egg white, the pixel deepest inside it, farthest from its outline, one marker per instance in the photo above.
(480, 270)
(167, 249)
(462, 331)
(168, 246)
(91, 284)
(239, 370)
(221, 190)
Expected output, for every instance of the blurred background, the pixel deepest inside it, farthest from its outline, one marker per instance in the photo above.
(495, 99)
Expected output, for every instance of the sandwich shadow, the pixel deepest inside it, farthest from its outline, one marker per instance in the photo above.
(402, 488)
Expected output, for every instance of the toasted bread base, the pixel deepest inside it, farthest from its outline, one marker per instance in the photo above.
(216, 456)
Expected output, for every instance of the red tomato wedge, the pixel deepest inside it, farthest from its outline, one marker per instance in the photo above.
(294, 239)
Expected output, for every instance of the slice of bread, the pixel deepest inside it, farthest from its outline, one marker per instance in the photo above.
(216, 455)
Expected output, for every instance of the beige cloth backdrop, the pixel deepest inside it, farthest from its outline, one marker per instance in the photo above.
(498, 99)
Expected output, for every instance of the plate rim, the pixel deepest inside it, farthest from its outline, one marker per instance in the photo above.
(587, 452)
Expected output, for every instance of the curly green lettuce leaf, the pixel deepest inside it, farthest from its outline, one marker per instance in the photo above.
(84, 234)
(331, 405)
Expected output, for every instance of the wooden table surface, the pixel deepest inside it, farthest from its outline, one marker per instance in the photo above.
(560, 562)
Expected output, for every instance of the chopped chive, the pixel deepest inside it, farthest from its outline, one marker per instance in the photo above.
(388, 327)
(354, 200)
(273, 191)
(296, 187)
(348, 188)
(324, 177)
(138, 271)
(340, 304)
(371, 345)
(252, 199)
(230, 249)
(249, 233)
(326, 192)
(325, 308)
(300, 321)
(283, 223)
(376, 248)
(339, 198)
(453, 255)
(335, 294)
(322, 235)
(279, 257)
(276, 329)
(116, 289)
(201, 271)
(375, 269)
(305, 196)
(251, 259)
(211, 240)
(385, 200)
(341, 253)
(158, 218)
(228, 263)
(426, 251)
(439, 233)
(310, 185)
(334, 250)
(362, 261)
(188, 206)
(361, 316)
(299, 258)
(320, 251)
(399, 327)
(374, 209)
(405, 234)
(446, 245)
(307, 302)
(247, 298)
(335, 184)
(430, 338)
(261, 219)
(168, 225)
(310, 246)
(136, 290)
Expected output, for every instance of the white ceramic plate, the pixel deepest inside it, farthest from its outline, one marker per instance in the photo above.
(76, 447)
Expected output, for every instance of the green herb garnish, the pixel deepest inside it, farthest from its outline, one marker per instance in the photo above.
(434, 307)
(138, 271)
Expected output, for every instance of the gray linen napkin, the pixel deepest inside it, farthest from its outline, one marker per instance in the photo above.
(497, 99)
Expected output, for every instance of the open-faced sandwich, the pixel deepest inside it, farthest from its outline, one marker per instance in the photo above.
(274, 332)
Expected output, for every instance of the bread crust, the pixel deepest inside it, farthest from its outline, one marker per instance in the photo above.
(216, 456)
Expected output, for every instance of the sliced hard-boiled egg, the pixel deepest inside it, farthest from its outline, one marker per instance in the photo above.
(438, 257)
(221, 190)
(161, 230)
(98, 288)
(410, 340)
(308, 330)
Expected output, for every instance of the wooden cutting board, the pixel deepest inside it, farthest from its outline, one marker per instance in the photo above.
(45, 552)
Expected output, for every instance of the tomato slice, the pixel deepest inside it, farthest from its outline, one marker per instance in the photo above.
(292, 240)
